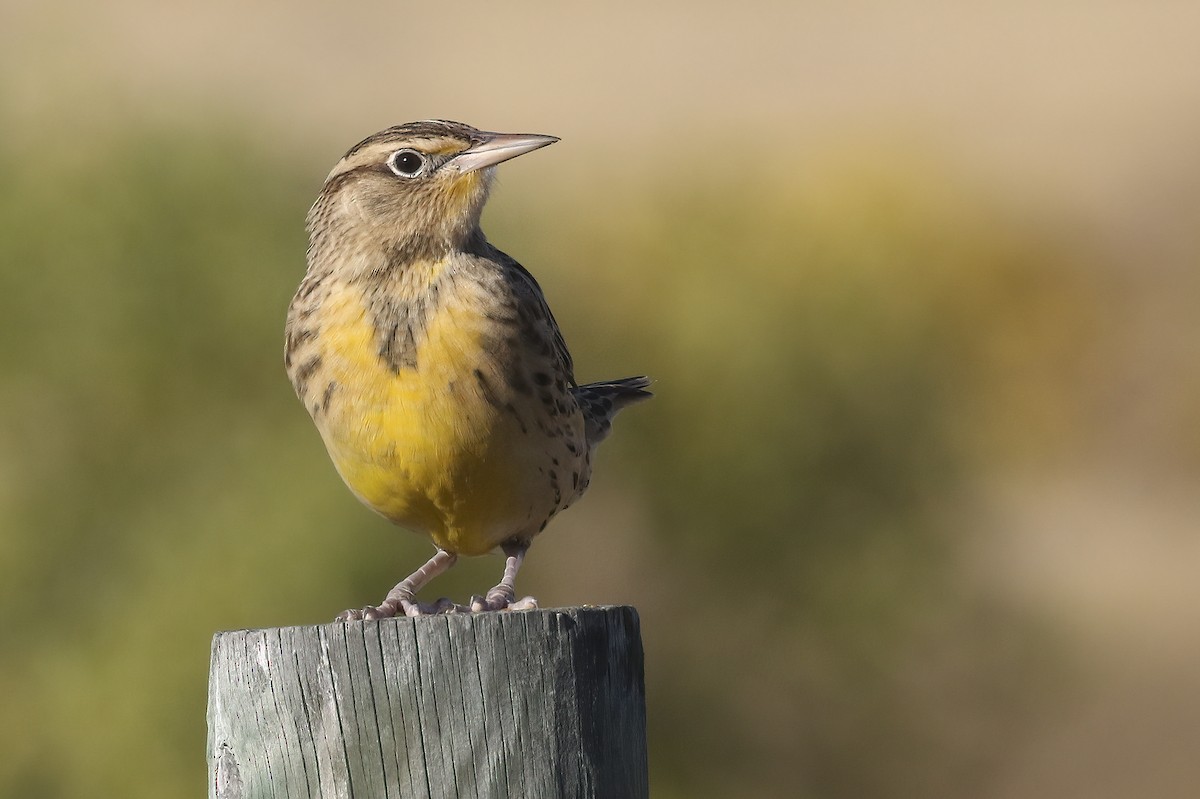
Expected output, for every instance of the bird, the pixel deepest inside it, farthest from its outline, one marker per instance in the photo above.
(431, 364)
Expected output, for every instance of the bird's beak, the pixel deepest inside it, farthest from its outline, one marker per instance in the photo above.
(498, 147)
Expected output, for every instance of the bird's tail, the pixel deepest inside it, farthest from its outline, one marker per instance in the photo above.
(601, 401)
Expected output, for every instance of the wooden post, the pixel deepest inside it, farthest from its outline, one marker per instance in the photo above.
(541, 703)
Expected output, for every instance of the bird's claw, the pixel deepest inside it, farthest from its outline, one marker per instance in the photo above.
(403, 607)
(500, 600)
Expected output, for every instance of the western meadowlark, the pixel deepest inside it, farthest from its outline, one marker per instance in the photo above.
(430, 362)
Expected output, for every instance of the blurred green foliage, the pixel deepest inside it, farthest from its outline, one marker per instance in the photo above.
(837, 354)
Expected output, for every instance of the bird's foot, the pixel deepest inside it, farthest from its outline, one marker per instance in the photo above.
(501, 598)
(402, 607)
(402, 600)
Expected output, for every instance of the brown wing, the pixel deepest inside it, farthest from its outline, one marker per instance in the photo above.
(532, 305)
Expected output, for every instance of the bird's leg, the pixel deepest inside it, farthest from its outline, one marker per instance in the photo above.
(402, 598)
(503, 595)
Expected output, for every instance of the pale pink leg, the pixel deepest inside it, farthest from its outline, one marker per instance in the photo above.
(402, 598)
(503, 595)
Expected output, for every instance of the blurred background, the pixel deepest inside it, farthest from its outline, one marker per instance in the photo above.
(915, 512)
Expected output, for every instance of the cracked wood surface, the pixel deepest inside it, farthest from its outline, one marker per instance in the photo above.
(541, 703)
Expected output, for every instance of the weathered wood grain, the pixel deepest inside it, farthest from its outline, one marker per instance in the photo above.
(542, 703)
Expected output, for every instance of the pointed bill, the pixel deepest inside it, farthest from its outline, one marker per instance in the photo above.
(498, 147)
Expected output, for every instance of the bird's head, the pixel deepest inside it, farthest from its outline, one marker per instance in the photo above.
(416, 188)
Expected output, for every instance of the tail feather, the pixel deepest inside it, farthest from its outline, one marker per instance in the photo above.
(600, 402)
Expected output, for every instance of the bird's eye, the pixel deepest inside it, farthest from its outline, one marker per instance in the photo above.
(406, 163)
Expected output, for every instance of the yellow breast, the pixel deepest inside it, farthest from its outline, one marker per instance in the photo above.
(430, 446)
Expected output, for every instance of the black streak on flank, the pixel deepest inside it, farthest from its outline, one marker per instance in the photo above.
(513, 410)
(305, 372)
(519, 383)
(308, 286)
(294, 340)
(329, 389)
(485, 387)
(298, 337)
